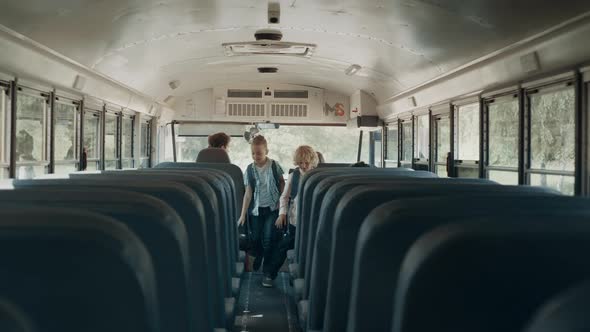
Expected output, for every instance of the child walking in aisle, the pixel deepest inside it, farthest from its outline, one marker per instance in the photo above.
(264, 183)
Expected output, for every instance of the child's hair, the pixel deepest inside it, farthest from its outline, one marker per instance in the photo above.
(219, 140)
(259, 140)
(305, 153)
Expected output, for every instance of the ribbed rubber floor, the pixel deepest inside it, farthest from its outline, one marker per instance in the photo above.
(263, 309)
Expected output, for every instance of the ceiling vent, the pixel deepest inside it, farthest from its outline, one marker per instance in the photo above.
(283, 110)
(266, 70)
(245, 109)
(269, 47)
(234, 93)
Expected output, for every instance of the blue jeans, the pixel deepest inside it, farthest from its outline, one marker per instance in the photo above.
(264, 237)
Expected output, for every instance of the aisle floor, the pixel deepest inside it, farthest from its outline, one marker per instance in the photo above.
(263, 309)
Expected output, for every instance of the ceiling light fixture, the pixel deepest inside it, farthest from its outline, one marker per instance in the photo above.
(353, 69)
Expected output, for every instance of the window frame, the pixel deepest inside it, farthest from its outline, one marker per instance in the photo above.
(4, 129)
(46, 96)
(77, 126)
(99, 139)
(148, 144)
(423, 163)
(549, 87)
(117, 159)
(464, 164)
(402, 162)
(394, 125)
(130, 159)
(504, 97)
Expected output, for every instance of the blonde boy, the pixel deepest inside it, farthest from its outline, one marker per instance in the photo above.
(264, 183)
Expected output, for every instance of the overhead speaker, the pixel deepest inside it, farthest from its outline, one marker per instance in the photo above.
(79, 82)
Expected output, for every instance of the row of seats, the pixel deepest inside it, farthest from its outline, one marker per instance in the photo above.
(149, 250)
(405, 251)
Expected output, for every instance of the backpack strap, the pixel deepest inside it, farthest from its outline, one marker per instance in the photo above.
(251, 178)
(275, 174)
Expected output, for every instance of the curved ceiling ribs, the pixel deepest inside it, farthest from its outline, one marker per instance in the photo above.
(399, 43)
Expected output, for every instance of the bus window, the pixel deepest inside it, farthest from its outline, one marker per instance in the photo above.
(4, 148)
(467, 140)
(337, 144)
(144, 152)
(31, 135)
(392, 145)
(443, 144)
(468, 132)
(502, 164)
(127, 142)
(552, 138)
(66, 149)
(92, 139)
(407, 132)
(110, 142)
(422, 151)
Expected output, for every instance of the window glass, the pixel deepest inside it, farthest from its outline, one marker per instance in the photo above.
(127, 163)
(65, 132)
(92, 166)
(30, 128)
(467, 172)
(422, 137)
(553, 130)
(27, 172)
(145, 132)
(110, 137)
(503, 133)
(407, 141)
(468, 132)
(564, 184)
(92, 135)
(503, 177)
(3, 131)
(127, 137)
(110, 164)
(441, 171)
(392, 141)
(337, 144)
(443, 137)
(65, 169)
(4, 173)
(378, 148)
(365, 146)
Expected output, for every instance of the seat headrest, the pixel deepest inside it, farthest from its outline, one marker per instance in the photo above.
(213, 155)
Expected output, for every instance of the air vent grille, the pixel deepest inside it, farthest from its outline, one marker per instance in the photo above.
(244, 93)
(288, 110)
(245, 109)
(300, 94)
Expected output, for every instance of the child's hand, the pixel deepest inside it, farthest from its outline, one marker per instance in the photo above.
(281, 221)
(242, 220)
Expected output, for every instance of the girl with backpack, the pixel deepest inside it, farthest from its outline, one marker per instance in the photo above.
(264, 183)
(305, 159)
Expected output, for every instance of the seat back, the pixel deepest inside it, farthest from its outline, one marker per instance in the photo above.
(155, 223)
(71, 270)
(305, 195)
(566, 312)
(232, 170)
(490, 274)
(13, 319)
(347, 205)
